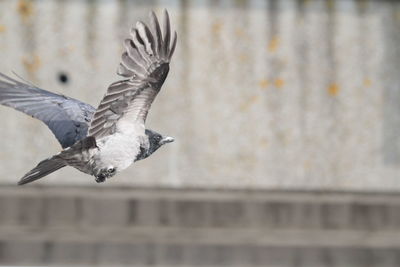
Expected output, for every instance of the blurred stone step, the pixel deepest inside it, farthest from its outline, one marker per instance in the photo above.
(156, 254)
(209, 236)
(160, 227)
(43, 208)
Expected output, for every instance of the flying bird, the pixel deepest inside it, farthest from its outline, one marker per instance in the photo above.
(104, 141)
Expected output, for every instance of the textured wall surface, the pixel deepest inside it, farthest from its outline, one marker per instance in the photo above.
(266, 94)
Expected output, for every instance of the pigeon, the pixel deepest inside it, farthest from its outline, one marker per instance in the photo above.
(104, 141)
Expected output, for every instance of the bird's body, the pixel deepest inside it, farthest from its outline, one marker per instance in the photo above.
(103, 141)
(119, 150)
(105, 157)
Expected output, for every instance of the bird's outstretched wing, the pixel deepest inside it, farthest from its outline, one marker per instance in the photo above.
(146, 63)
(66, 117)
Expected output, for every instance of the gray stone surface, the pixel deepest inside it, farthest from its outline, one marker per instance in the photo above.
(261, 94)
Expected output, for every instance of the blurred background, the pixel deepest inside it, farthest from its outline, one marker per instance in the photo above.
(287, 128)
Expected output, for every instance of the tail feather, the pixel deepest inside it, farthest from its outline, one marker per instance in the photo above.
(44, 168)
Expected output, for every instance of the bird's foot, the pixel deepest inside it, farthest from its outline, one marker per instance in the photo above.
(105, 174)
(100, 178)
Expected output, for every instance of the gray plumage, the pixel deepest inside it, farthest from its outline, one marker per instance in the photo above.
(66, 117)
(106, 140)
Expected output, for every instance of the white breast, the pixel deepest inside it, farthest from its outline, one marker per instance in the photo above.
(118, 150)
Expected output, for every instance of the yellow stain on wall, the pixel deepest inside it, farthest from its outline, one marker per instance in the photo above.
(333, 89)
(243, 57)
(283, 137)
(240, 32)
(279, 83)
(63, 51)
(263, 83)
(307, 165)
(273, 44)
(216, 27)
(2, 28)
(25, 8)
(263, 142)
(367, 82)
(32, 64)
(249, 102)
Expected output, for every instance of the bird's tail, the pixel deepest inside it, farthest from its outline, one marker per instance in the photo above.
(44, 168)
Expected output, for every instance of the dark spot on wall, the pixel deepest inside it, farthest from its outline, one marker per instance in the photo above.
(63, 78)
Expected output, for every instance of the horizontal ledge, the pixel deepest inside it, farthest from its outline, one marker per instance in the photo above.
(227, 194)
(276, 238)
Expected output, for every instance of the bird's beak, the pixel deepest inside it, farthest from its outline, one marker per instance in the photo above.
(167, 139)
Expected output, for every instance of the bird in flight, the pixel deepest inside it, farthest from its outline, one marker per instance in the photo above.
(103, 141)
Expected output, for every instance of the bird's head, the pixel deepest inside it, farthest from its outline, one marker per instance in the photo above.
(156, 140)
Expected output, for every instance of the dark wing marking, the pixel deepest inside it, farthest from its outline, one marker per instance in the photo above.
(146, 63)
(66, 117)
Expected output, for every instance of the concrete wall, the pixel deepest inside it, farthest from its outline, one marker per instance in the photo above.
(261, 94)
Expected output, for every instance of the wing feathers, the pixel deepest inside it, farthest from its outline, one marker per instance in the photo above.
(66, 117)
(146, 36)
(149, 48)
(135, 56)
(131, 65)
(139, 45)
(124, 71)
(167, 35)
(146, 64)
(172, 50)
(157, 31)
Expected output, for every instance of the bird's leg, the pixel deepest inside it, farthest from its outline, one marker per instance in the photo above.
(100, 178)
(105, 174)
